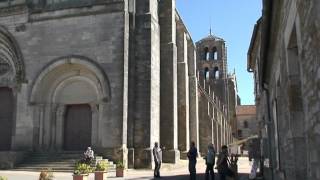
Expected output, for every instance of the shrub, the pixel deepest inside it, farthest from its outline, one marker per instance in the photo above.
(120, 165)
(3, 178)
(46, 175)
(82, 168)
(102, 166)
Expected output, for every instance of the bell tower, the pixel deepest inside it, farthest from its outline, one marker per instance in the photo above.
(212, 64)
(212, 58)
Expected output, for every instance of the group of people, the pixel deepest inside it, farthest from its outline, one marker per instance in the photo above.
(223, 162)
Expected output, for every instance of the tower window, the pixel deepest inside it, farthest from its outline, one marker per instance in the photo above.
(206, 54)
(214, 53)
(206, 73)
(216, 73)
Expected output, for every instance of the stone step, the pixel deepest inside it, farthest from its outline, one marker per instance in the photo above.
(58, 169)
(60, 161)
(31, 164)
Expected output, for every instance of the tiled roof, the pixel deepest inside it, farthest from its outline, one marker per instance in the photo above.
(246, 109)
(210, 37)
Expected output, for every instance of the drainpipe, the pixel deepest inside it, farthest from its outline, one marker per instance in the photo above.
(265, 88)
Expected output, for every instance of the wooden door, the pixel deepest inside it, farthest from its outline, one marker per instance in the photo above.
(6, 118)
(77, 127)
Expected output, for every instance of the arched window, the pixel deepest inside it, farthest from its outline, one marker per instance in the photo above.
(214, 53)
(216, 73)
(206, 54)
(206, 73)
(239, 133)
(245, 124)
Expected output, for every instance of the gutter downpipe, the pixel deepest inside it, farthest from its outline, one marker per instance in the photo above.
(269, 123)
(268, 4)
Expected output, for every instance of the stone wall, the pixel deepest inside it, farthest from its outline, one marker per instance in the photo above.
(287, 91)
(85, 38)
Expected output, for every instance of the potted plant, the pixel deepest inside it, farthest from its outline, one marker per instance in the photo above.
(119, 169)
(81, 171)
(100, 172)
(3, 178)
(46, 175)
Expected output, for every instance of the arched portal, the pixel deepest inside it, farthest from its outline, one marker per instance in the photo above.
(68, 96)
(12, 75)
(6, 118)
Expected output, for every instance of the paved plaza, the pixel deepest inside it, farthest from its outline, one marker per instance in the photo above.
(168, 172)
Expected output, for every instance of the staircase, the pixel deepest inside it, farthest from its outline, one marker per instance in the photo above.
(58, 161)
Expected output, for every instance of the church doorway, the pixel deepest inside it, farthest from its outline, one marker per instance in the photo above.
(77, 127)
(6, 117)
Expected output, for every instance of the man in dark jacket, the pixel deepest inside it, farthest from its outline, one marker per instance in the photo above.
(192, 155)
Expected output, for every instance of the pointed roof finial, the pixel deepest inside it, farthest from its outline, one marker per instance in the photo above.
(210, 33)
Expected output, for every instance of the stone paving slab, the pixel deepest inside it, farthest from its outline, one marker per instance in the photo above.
(168, 172)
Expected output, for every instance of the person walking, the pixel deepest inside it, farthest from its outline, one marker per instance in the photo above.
(157, 156)
(210, 161)
(192, 156)
(222, 164)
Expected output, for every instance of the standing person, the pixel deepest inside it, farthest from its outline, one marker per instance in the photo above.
(157, 155)
(192, 156)
(254, 155)
(222, 163)
(210, 161)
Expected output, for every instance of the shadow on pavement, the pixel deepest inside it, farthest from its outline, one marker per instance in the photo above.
(186, 177)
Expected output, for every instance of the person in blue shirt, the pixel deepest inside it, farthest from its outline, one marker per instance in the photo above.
(192, 156)
(210, 161)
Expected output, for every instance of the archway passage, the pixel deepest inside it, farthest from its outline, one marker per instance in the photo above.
(78, 127)
(6, 118)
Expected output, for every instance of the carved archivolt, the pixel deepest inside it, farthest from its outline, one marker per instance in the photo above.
(10, 56)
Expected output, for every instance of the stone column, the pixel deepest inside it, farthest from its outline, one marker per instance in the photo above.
(220, 129)
(60, 111)
(168, 81)
(183, 90)
(217, 136)
(131, 83)
(193, 95)
(146, 103)
(204, 121)
(23, 126)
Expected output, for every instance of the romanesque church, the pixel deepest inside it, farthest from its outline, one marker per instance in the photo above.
(117, 75)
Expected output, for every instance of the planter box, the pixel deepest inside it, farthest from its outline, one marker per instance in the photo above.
(80, 177)
(119, 172)
(100, 175)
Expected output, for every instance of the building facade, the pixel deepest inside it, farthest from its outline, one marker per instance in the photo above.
(284, 57)
(117, 75)
(218, 93)
(247, 124)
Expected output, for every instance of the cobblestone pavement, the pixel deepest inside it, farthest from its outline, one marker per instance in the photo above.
(168, 172)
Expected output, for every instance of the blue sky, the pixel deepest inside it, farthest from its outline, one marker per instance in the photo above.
(232, 20)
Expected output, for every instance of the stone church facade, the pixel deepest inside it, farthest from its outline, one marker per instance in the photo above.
(117, 75)
(284, 57)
